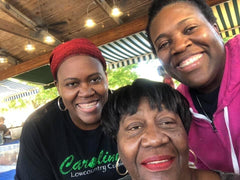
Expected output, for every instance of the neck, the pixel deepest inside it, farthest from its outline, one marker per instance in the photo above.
(214, 82)
(84, 126)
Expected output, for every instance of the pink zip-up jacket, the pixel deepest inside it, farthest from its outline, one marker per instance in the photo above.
(220, 149)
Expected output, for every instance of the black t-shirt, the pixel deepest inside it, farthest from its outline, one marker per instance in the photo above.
(52, 147)
(206, 103)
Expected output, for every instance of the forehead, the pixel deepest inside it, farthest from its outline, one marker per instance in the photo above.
(80, 63)
(173, 16)
(181, 7)
(175, 13)
(144, 105)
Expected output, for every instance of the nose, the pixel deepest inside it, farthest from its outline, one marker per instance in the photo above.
(179, 43)
(85, 90)
(154, 137)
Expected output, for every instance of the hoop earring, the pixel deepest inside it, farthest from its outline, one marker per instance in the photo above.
(117, 164)
(59, 104)
(193, 164)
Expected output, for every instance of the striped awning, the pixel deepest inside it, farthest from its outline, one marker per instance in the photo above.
(228, 17)
(136, 48)
(10, 90)
(129, 50)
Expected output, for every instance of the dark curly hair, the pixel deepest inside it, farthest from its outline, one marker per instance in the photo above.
(157, 5)
(125, 101)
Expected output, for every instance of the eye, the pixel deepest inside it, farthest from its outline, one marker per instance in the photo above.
(167, 123)
(163, 45)
(135, 126)
(189, 29)
(72, 84)
(96, 80)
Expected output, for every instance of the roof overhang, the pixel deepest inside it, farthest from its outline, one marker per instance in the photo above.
(125, 49)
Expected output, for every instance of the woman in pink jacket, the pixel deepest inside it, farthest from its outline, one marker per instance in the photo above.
(192, 51)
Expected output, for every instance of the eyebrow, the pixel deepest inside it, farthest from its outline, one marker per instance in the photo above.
(91, 75)
(164, 34)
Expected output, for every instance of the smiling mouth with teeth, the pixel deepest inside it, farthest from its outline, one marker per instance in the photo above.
(159, 165)
(88, 105)
(190, 61)
(157, 162)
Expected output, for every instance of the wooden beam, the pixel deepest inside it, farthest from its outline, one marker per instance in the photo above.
(11, 60)
(105, 6)
(25, 66)
(26, 21)
(100, 39)
(25, 32)
(215, 2)
(16, 14)
(121, 31)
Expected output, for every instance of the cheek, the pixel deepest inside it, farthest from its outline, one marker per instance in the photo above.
(181, 144)
(102, 90)
(127, 151)
(164, 57)
(68, 96)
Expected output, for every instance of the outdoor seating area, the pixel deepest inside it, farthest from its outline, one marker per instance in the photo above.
(8, 159)
(60, 76)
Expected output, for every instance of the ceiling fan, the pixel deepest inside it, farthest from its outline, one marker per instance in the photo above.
(53, 28)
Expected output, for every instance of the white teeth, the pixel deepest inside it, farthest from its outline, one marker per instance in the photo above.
(157, 162)
(190, 60)
(87, 106)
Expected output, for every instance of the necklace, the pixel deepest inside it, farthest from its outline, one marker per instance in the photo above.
(202, 108)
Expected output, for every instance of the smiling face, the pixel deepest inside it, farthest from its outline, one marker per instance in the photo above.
(152, 144)
(83, 86)
(190, 48)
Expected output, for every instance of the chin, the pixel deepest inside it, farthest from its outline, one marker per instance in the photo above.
(151, 176)
(91, 120)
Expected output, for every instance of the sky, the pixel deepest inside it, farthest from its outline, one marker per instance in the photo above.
(148, 70)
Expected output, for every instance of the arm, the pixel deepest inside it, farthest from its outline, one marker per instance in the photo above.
(32, 161)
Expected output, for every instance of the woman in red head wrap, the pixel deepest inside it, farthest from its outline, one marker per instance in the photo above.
(64, 139)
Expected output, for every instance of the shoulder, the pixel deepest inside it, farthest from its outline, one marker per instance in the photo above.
(233, 43)
(216, 175)
(206, 174)
(47, 111)
(43, 119)
(229, 176)
(184, 90)
(127, 177)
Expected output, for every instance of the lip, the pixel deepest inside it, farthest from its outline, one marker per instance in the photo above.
(190, 63)
(158, 163)
(88, 106)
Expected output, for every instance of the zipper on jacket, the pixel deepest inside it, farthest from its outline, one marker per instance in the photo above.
(214, 127)
(203, 117)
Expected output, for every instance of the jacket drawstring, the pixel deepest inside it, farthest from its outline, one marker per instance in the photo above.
(233, 154)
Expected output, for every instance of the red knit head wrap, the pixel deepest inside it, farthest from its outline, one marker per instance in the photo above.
(74, 47)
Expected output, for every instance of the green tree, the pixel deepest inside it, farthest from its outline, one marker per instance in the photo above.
(121, 76)
(44, 96)
(15, 104)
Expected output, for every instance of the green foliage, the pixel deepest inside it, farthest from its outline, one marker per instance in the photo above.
(44, 96)
(34, 100)
(121, 76)
(15, 104)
